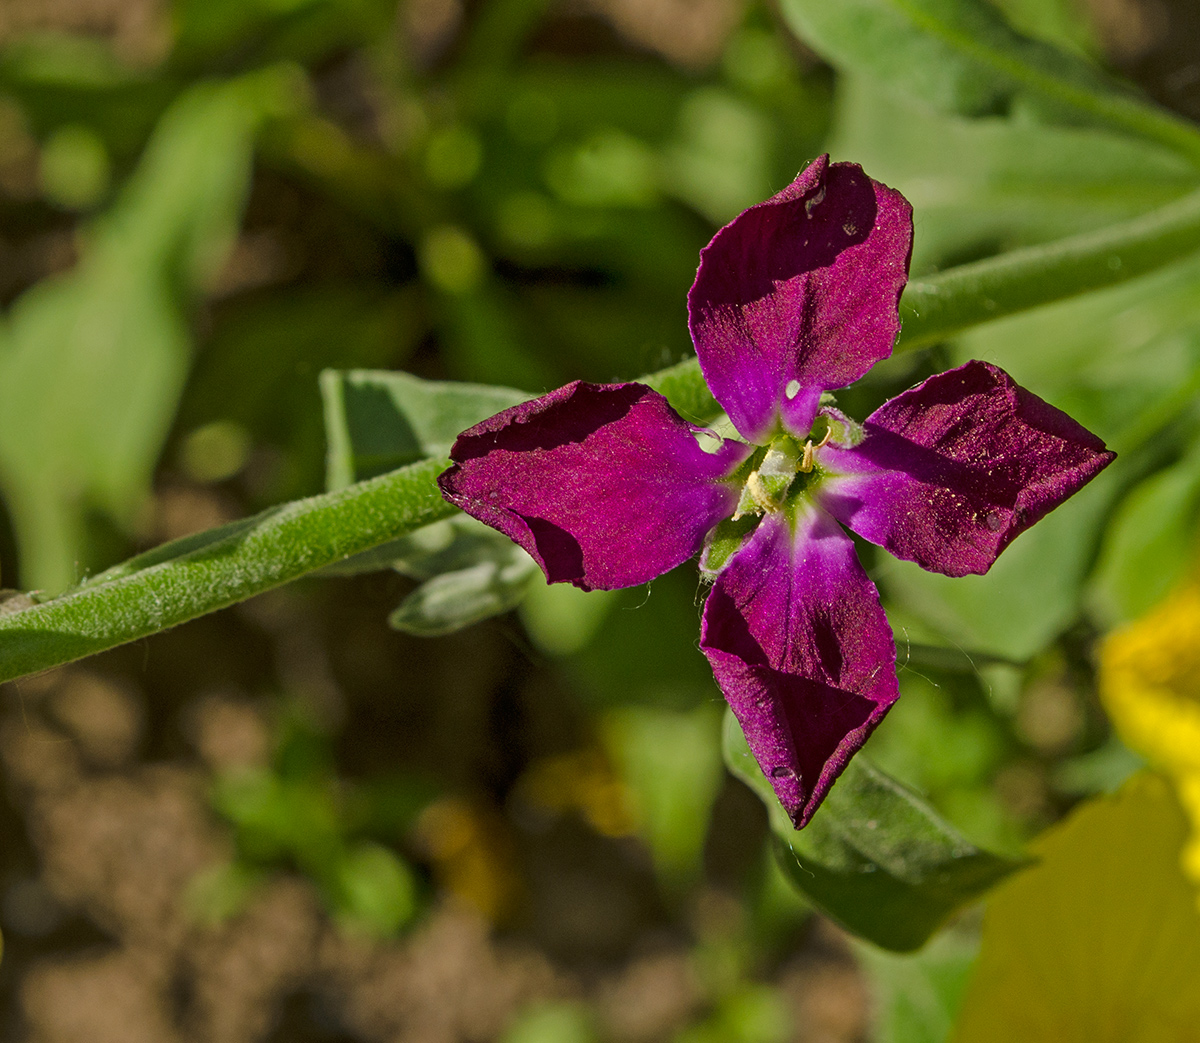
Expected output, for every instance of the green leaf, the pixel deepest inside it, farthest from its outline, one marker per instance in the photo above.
(917, 996)
(875, 857)
(376, 892)
(209, 571)
(470, 573)
(671, 763)
(92, 364)
(376, 420)
(961, 56)
(1099, 942)
(1150, 545)
(998, 183)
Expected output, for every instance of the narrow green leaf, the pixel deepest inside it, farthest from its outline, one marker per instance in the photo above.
(962, 56)
(875, 857)
(470, 573)
(203, 573)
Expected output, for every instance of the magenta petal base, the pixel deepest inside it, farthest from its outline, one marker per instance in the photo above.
(803, 653)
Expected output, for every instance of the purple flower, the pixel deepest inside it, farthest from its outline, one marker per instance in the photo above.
(607, 486)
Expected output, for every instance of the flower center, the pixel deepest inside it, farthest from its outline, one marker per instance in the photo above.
(768, 486)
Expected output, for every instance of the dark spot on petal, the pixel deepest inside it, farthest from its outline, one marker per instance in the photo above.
(558, 549)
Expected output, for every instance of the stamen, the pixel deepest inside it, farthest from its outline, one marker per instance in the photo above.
(806, 462)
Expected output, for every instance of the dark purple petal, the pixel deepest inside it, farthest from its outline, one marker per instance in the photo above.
(604, 485)
(951, 471)
(803, 653)
(799, 293)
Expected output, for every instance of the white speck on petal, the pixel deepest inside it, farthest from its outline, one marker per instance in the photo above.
(792, 389)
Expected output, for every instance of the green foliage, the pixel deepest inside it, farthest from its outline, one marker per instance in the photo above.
(296, 812)
(377, 421)
(1150, 545)
(671, 763)
(497, 212)
(91, 366)
(211, 570)
(983, 184)
(875, 857)
(919, 995)
(962, 56)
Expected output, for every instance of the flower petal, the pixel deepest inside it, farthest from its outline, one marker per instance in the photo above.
(951, 471)
(799, 294)
(803, 653)
(605, 485)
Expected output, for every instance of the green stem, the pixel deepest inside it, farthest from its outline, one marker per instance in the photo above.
(203, 573)
(935, 308)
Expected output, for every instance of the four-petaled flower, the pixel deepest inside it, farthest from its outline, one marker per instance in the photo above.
(607, 486)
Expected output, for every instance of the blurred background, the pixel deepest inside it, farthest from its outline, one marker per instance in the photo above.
(290, 821)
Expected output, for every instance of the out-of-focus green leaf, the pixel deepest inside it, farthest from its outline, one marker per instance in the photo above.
(917, 996)
(561, 619)
(254, 31)
(1125, 363)
(1060, 22)
(375, 890)
(751, 1013)
(1100, 941)
(91, 364)
(962, 56)
(874, 857)
(377, 420)
(553, 1022)
(980, 185)
(1151, 543)
(719, 161)
(470, 573)
(671, 763)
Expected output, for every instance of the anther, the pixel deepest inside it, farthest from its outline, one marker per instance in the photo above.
(806, 463)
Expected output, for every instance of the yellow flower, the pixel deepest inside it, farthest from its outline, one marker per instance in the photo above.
(1150, 685)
